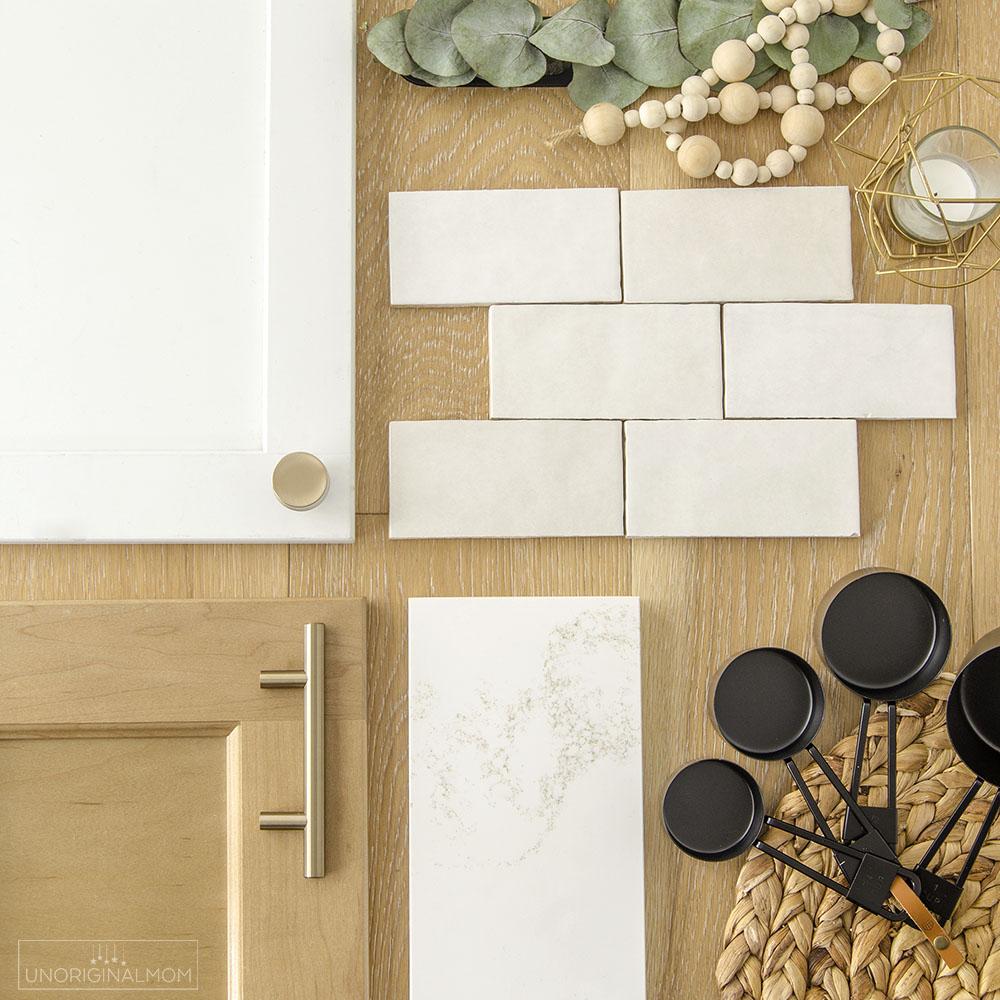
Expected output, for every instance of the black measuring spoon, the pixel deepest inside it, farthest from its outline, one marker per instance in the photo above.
(885, 636)
(769, 704)
(973, 720)
(713, 810)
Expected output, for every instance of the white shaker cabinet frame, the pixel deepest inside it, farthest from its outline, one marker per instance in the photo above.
(176, 267)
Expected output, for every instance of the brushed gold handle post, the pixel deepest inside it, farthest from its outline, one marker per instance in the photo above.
(314, 750)
(312, 822)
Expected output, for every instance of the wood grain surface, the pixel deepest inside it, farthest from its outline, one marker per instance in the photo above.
(930, 502)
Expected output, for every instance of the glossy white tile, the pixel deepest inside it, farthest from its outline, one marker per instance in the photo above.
(605, 361)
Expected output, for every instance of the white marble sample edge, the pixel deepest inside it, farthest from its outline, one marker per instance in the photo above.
(449, 248)
(729, 245)
(863, 360)
(742, 478)
(505, 479)
(605, 361)
(525, 809)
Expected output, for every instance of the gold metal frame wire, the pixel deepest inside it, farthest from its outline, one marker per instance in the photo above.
(957, 261)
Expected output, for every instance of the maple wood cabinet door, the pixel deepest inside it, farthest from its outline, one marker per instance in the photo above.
(138, 749)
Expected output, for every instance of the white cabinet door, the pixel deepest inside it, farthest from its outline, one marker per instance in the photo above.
(176, 267)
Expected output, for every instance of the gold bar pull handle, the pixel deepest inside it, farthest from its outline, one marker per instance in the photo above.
(312, 822)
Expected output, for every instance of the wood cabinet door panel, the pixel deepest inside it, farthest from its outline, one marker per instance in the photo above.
(137, 751)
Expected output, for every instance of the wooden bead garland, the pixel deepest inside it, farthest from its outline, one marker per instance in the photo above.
(800, 103)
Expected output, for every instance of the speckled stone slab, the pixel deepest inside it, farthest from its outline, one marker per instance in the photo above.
(525, 813)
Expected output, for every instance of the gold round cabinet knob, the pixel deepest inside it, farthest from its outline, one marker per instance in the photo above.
(300, 481)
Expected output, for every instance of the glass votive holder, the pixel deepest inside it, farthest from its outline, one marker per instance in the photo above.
(958, 166)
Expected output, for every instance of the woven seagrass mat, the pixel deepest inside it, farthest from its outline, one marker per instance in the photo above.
(788, 937)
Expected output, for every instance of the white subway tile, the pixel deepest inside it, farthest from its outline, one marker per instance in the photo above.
(728, 245)
(606, 361)
(481, 247)
(504, 479)
(863, 360)
(741, 478)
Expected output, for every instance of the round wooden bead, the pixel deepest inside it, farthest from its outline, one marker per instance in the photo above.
(782, 98)
(631, 118)
(892, 63)
(744, 172)
(848, 8)
(825, 6)
(796, 36)
(806, 11)
(826, 96)
(673, 125)
(844, 95)
(771, 29)
(891, 42)
(604, 124)
(797, 153)
(673, 107)
(714, 105)
(739, 103)
(724, 170)
(763, 174)
(880, 25)
(788, 15)
(764, 98)
(868, 13)
(777, 5)
(802, 76)
(805, 96)
(695, 85)
(733, 60)
(867, 81)
(800, 56)
(674, 141)
(694, 107)
(698, 156)
(710, 76)
(755, 42)
(780, 163)
(652, 114)
(803, 125)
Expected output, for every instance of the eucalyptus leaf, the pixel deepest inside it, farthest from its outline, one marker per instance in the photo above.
(576, 34)
(703, 25)
(593, 84)
(428, 37)
(759, 76)
(492, 36)
(913, 35)
(894, 13)
(444, 81)
(386, 43)
(644, 34)
(832, 41)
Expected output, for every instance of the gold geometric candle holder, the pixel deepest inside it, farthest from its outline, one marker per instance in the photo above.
(881, 141)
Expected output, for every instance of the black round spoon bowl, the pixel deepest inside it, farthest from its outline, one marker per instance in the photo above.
(768, 703)
(713, 810)
(883, 634)
(973, 715)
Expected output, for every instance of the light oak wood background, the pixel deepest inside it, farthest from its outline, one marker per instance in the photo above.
(930, 501)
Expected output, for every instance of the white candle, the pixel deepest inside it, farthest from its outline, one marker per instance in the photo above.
(946, 177)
